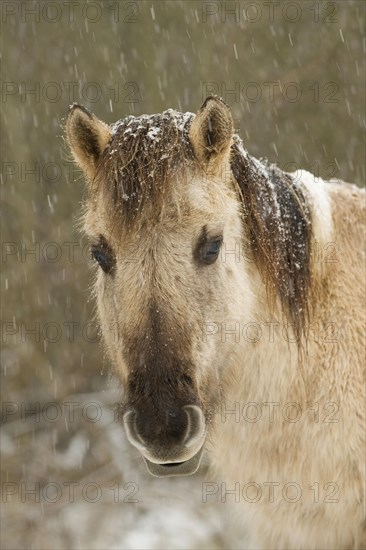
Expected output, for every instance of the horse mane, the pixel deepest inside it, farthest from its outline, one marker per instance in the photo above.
(278, 223)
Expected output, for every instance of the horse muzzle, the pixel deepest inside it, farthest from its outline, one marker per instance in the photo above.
(172, 449)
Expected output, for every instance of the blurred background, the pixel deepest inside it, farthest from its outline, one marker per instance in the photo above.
(293, 74)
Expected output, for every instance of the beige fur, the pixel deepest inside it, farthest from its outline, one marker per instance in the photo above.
(324, 450)
(306, 451)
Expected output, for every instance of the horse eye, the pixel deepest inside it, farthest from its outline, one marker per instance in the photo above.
(104, 256)
(211, 250)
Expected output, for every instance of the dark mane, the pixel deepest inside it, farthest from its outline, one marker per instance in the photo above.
(140, 160)
(278, 222)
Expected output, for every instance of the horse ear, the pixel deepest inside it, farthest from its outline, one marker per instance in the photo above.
(212, 129)
(87, 137)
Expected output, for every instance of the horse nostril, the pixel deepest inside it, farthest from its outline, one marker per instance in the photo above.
(196, 425)
(129, 420)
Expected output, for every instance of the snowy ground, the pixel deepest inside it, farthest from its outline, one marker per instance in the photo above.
(70, 464)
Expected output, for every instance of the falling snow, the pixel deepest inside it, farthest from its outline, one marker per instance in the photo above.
(121, 60)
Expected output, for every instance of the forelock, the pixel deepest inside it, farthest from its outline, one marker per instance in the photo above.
(140, 163)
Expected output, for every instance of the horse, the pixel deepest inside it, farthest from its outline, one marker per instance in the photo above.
(231, 299)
